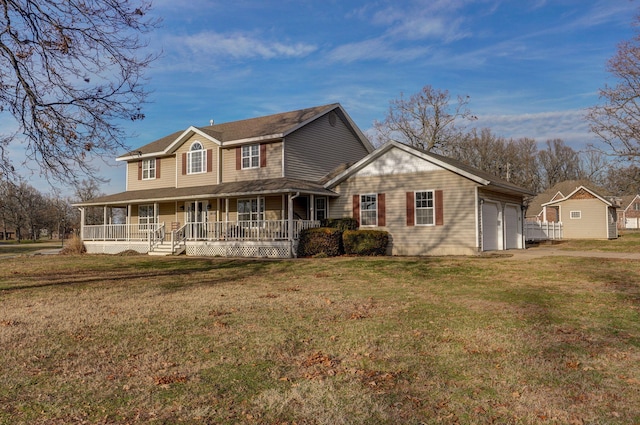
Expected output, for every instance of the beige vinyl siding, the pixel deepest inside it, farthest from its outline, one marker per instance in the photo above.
(316, 149)
(273, 207)
(167, 215)
(593, 221)
(272, 170)
(167, 175)
(457, 236)
(200, 179)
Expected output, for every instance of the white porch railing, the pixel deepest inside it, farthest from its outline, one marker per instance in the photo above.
(123, 232)
(542, 230)
(230, 231)
(247, 230)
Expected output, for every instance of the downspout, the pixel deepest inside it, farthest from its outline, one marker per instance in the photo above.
(290, 223)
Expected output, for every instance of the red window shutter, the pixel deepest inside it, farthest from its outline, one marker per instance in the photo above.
(411, 220)
(157, 168)
(382, 217)
(356, 208)
(184, 163)
(263, 155)
(209, 160)
(439, 208)
(238, 158)
(139, 170)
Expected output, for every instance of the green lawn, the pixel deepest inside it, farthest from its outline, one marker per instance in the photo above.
(109, 339)
(627, 241)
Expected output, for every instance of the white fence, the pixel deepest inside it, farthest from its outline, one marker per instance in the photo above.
(236, 231)
(542, 230)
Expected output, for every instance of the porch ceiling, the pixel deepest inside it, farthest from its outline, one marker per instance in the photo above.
(224, 190)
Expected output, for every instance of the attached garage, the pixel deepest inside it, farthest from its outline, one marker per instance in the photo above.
(490, 226)
(512, 220)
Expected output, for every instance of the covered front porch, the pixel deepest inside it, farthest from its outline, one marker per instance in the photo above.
(251, 224)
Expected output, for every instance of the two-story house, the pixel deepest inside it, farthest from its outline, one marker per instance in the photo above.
(247, 188)
(243, 188)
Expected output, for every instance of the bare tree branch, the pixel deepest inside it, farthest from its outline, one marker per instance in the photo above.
(426, 120)
(71, 71)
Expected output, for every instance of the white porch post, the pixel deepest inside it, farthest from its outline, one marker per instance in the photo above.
(104, 223)
(81, 223)
(290, 220)
(312, 207)
(128, 222)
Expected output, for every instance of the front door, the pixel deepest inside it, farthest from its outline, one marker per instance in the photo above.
(197, 220)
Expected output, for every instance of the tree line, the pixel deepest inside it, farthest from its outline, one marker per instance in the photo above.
(431, 120)
(26, 213)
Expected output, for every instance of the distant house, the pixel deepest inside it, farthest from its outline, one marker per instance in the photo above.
(629, 212)
(247, 188)
(585, 215)
(537, 212)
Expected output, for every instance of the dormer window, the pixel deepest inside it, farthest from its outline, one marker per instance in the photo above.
(196, 159)
(149, 169)
(250, 156)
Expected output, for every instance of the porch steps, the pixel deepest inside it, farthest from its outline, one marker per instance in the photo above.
(164, 249)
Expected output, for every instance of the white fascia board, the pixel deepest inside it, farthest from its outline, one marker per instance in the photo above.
(179, 140)
(313, 118)
(389, 145)
(185, 135)
(365, 141)
(633, 201)
(253, 140)
(572, 193)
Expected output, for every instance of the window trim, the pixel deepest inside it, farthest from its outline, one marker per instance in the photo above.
(190, 158)
(325, 210)
(259, 213)
(150, 218)
(148, 169)
(252, 158)
(416, 208)
(575, 215)
(369, 211)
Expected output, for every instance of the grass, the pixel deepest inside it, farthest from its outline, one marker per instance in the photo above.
(109, 339)
(627, 241)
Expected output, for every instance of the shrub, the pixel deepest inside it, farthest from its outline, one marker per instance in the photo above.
(365, 242)
(320, 241)
(342, 224)
(73, 245)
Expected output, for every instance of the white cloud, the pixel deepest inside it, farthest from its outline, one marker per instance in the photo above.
(375, 49)
(568, 125)
(238, 46)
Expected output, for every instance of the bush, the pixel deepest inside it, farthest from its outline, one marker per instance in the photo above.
(342, 224)
(321, 241)
(365, 242)
(73, 245)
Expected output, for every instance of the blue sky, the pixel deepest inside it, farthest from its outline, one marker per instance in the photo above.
(529, 67)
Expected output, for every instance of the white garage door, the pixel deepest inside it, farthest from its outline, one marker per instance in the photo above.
(490, 227)
(511, 226)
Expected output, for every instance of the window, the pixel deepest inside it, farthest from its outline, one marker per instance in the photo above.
(321, 208)
(149, 169)
(636, 206)
(575, 214)
(248, 210)
(369, 210)
(425, 208)
(250, 156)
(196, 159)
(146, 215)
(425, 211)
